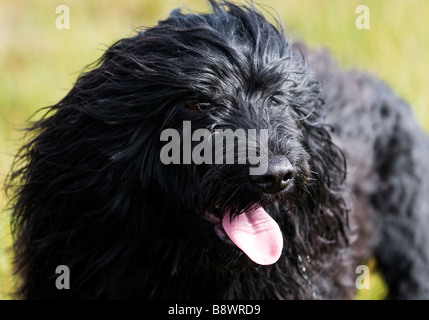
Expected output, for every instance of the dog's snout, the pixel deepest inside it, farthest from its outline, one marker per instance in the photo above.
(279, 174)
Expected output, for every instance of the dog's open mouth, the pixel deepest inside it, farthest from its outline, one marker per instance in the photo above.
(254, 231)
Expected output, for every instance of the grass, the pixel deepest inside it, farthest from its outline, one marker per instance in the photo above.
(39, 63)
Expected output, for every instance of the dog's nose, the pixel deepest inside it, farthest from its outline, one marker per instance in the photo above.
(279, 174)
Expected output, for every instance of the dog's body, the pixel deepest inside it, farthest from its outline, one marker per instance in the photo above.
(96, 197)
(387, 156)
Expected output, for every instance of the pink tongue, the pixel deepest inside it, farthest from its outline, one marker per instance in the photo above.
(257, 234)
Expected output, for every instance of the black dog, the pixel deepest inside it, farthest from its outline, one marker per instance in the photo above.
(92, 193)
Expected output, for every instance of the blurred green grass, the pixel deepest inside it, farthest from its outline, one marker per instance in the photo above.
(39, 63)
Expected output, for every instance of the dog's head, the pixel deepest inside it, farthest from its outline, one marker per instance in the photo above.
(236, 130)
(231, 132)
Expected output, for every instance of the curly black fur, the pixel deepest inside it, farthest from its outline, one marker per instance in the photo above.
(92, 194)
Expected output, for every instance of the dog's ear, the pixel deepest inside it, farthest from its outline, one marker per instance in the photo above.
(176, 13)
(324, 212)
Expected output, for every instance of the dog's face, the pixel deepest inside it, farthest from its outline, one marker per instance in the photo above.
(236, 75)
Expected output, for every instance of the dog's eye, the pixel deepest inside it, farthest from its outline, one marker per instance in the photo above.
(196, 106)
(192, 105)
(274, 102)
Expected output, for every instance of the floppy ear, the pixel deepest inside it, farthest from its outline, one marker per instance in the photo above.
(324, 212)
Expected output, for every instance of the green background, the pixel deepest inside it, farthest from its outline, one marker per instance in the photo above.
(39, 63)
